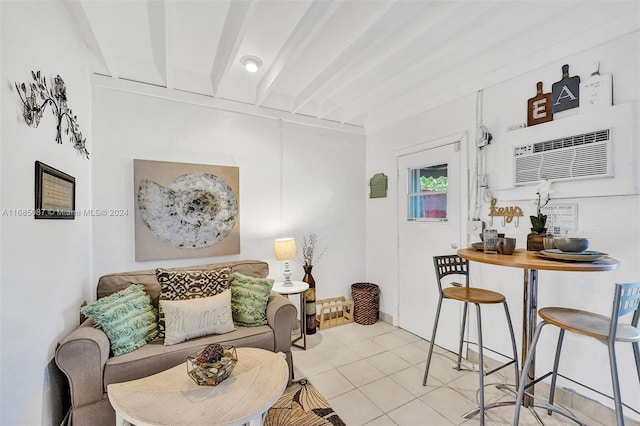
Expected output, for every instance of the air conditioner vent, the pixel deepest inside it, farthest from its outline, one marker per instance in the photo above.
(573, 157)
(586, 138)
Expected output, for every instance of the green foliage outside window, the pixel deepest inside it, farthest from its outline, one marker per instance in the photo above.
(430, 183)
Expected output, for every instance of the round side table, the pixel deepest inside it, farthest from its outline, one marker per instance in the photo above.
(297, 287)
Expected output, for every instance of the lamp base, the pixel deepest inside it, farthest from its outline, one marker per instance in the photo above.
(287, 275)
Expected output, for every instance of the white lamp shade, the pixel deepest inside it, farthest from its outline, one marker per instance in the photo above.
(285, 248)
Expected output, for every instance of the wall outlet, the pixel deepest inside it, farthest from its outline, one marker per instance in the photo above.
(474, 227)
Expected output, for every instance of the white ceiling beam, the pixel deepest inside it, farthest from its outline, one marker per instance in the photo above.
(78, 14)
(511, 67)
(471, 53)
(396, 61)
(235, 26)
(368, 41)
(315, 17)
(456, 54)
(170, 28)
(227, 105)
(158, 37)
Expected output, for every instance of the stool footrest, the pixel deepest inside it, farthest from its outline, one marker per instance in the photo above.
(583, 385)
(500, 367)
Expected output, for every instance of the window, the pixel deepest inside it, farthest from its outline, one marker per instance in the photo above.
(427, 196)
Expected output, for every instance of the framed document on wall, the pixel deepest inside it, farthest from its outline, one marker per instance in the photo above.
(55, 193)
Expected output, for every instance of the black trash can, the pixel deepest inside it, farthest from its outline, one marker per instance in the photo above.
(366, 302)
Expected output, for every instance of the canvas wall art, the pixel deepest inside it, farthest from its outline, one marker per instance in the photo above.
(185, 210)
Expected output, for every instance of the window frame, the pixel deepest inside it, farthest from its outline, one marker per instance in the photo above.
(412, 194)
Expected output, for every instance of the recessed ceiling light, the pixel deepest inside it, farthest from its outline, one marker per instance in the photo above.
(251, 63)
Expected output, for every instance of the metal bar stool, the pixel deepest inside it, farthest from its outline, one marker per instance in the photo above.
(606, 329)
(455, 265)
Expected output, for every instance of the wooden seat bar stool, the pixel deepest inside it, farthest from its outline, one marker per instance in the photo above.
(457, 266)
(605, 329)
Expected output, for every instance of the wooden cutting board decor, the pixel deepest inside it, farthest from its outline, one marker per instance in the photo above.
(539, 108)
(596, 91)
(566, 92)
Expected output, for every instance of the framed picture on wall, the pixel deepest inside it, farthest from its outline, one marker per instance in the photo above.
(55, 193)
(185, 210)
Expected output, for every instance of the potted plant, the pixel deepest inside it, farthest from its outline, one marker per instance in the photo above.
(539, 221)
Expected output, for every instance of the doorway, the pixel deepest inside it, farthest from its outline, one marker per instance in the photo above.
(429, 214)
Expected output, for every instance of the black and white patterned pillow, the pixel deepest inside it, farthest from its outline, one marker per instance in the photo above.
(184, 285)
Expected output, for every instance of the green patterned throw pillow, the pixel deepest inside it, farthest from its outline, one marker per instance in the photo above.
(249, 297)
(127, 318)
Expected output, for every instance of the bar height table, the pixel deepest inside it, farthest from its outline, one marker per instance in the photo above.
(532, 262)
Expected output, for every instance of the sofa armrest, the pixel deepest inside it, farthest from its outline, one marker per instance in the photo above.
(82, 356)
(281, 315)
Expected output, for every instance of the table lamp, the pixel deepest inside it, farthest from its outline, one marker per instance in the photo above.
(285, 249)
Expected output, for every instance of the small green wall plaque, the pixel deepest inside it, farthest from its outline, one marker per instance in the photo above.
(378, 185)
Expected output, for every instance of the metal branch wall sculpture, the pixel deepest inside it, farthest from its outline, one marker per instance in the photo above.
(57, 98)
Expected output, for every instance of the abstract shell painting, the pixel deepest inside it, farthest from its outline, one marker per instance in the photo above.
(185, 210)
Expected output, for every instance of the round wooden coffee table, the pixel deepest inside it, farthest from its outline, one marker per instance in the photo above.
(171, 397)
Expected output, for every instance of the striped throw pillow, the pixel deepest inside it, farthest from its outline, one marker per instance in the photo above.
(127, 318)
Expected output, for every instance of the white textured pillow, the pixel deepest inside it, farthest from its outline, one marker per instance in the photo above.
(187, 319)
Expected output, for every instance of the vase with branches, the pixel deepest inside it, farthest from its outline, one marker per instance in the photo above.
(310, 255)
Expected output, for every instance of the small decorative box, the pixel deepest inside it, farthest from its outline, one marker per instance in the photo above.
(206, 373)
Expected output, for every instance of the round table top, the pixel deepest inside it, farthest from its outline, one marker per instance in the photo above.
(171, 397)
(295, 288)
(525, 259)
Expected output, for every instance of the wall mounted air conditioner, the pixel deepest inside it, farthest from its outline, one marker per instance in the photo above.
(589, 154)
(586, 155)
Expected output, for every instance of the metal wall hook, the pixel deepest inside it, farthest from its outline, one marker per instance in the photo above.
(507, 213)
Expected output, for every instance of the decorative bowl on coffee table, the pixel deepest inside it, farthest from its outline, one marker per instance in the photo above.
(212, 373)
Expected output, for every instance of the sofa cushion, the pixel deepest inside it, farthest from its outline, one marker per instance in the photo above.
(112, 283)
(126, 317)
(249, 297)
(187, 319)
(184, 285)
(156, 357)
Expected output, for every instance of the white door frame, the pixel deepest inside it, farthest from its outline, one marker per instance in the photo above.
(461, 139)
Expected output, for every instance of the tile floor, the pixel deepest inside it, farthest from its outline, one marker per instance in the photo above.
(372, 375)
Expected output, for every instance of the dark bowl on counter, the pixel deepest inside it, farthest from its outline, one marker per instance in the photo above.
(571, 244)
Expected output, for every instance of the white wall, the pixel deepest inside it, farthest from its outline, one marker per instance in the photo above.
(49, 267)
(611, 222)
(323, 190)
(46, 264)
